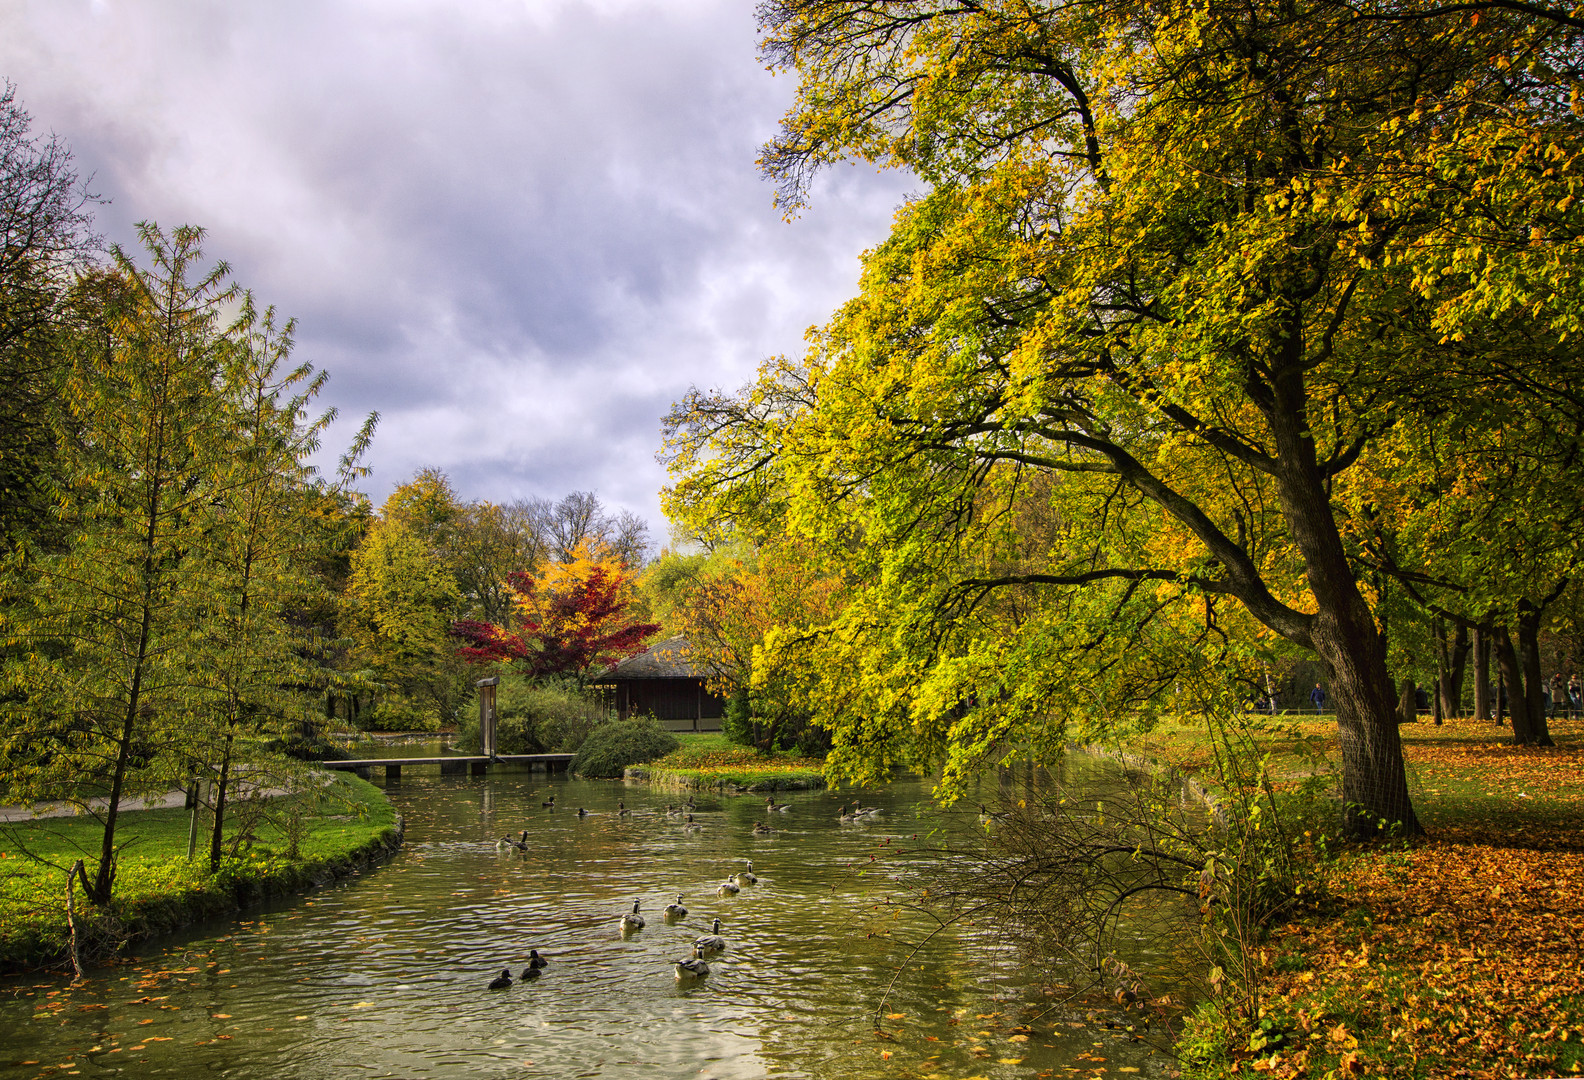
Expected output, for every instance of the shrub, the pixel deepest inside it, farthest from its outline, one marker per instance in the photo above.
(613, 746)
(393, 712)
(549, 717)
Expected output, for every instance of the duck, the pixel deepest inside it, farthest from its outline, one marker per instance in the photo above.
(632, 920)
(746, 877)
(690, 825)
(582, 812)
(549, 805)
(535, 962)
(621, 809)
(727, 888)
(987, 817)
(506, 842)
(671, 811)
(501, 981)
(693, 967)
(676, 910)
(773, 807)
(711, 942)
(761, 829)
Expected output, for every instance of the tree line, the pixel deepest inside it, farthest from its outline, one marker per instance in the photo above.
(186, 601)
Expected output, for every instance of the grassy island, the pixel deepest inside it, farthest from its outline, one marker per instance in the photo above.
(708, 761)
(158, 889)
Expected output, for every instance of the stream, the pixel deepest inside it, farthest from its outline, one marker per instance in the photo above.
(386, 975)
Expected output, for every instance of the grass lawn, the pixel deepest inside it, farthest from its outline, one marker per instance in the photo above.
(157, 889)
(707, 760)
(1454, 955)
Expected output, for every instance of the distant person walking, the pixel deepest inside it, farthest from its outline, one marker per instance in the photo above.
(1317, 697)
(1575, 698)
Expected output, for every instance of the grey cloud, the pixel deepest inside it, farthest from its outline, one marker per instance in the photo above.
(548, 207)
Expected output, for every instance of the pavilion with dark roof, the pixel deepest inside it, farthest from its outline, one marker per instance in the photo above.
(664, 682)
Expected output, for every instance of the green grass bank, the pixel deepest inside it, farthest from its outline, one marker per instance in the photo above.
(706, 761)
(351, 826)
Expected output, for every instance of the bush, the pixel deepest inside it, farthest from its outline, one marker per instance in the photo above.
(550, 717)
(393, 712)
(611, 747)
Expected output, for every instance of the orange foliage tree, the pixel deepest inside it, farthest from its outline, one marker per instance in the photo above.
(730, 611)
(567, 617)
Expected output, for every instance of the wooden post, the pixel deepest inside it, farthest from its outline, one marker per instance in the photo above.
(486, 693)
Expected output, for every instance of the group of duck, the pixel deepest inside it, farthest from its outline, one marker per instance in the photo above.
(692, 966)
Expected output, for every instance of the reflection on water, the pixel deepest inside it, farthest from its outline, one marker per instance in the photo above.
(386, 975)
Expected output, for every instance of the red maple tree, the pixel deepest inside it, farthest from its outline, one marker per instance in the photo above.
(568, 618)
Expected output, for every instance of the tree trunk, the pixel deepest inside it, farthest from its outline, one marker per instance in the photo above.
(1482, 689)
(1343, 632)
(1452, 660)
(1374, 782)
(1513, 683)
(1534, 688)
(71, 915)
(1407, 703)
(217, 833)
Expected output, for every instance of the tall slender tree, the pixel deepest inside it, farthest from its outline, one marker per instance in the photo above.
(104, 697)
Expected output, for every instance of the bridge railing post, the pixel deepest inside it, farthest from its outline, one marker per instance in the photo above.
(486, 696)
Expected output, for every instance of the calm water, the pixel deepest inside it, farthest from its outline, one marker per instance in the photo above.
(386, 976)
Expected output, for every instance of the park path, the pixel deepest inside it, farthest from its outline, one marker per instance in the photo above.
(55, 810)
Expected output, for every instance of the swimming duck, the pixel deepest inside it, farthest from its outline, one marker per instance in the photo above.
(501, 981)
(535, 962)
(676, 910)
(773, 807)
(632, 920)
(746, 877)
(761, 829)
(506, 842)
(690, 825)
(693, 967)
(671, 811)
(582, 812)
(711, 942)
(549, 805)
(987, 817)
(621, 809)
(727, 888)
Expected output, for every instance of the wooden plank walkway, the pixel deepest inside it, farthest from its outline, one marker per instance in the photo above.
(451, 764)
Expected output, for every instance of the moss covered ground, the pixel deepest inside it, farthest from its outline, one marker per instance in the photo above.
(157, 889)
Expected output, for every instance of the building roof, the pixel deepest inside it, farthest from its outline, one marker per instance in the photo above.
(669, 659)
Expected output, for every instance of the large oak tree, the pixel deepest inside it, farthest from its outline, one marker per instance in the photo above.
(1182, 268)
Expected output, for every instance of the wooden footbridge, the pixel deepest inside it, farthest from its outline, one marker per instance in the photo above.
(451, 764)
(457, 764)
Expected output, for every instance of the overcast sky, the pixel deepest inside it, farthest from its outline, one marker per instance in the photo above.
(518, 229)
